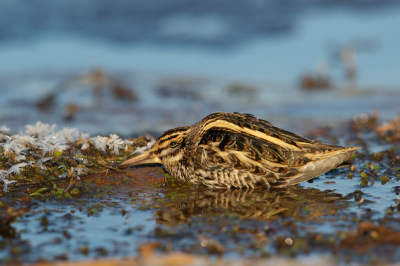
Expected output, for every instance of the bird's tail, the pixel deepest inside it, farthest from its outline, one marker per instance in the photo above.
(336, 159)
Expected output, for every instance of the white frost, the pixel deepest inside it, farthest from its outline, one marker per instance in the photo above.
(72, 134)
(63, 175)
(115, 143)
(100, 143)
(52, 143)
(4, 175)
(24, 139)
(85, 145)
(16, 169)
(6, 182)
(143, 149)
(43, 160)
(39, 129)
(43, 137)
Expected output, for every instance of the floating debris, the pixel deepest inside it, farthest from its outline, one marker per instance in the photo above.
(312, 82)
(94, 89)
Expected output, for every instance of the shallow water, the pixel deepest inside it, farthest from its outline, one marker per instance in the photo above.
(114, 216)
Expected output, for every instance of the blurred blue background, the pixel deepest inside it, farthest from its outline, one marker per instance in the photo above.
(145, 66)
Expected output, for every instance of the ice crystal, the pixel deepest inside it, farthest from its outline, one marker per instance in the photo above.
(53, 143)
(20, 157)
(43, 160)
(127, 143)
(11, 146)
(63, 175)
(100, 143)
(143, 149)
(24, 139)
(17, 144)
(80, 170)
(6, 182)
(4, 175)
(85, 145)
(40, 130)
(72, 134)
(115, 143)
(16, 169)
(24, 147)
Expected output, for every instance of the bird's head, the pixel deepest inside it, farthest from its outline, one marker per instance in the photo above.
(168, 150)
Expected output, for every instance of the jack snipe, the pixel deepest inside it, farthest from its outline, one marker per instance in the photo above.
(239, 150)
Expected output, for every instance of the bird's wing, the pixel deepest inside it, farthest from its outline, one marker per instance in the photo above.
(224, 150)
(230, 138)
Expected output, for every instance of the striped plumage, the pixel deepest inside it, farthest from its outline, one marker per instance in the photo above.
(227, 150)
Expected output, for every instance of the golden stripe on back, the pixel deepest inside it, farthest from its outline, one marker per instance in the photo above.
(251, 126)
(223, 124)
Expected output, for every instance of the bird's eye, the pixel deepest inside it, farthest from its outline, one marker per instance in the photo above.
(172, 144)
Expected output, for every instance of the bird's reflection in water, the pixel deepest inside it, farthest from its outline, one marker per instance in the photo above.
(298, 202)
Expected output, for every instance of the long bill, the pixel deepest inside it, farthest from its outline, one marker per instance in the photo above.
(146, 158)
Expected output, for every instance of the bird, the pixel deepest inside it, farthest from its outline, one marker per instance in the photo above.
(235, 150)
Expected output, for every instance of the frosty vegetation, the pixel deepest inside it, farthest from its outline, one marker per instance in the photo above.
(41, 143)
